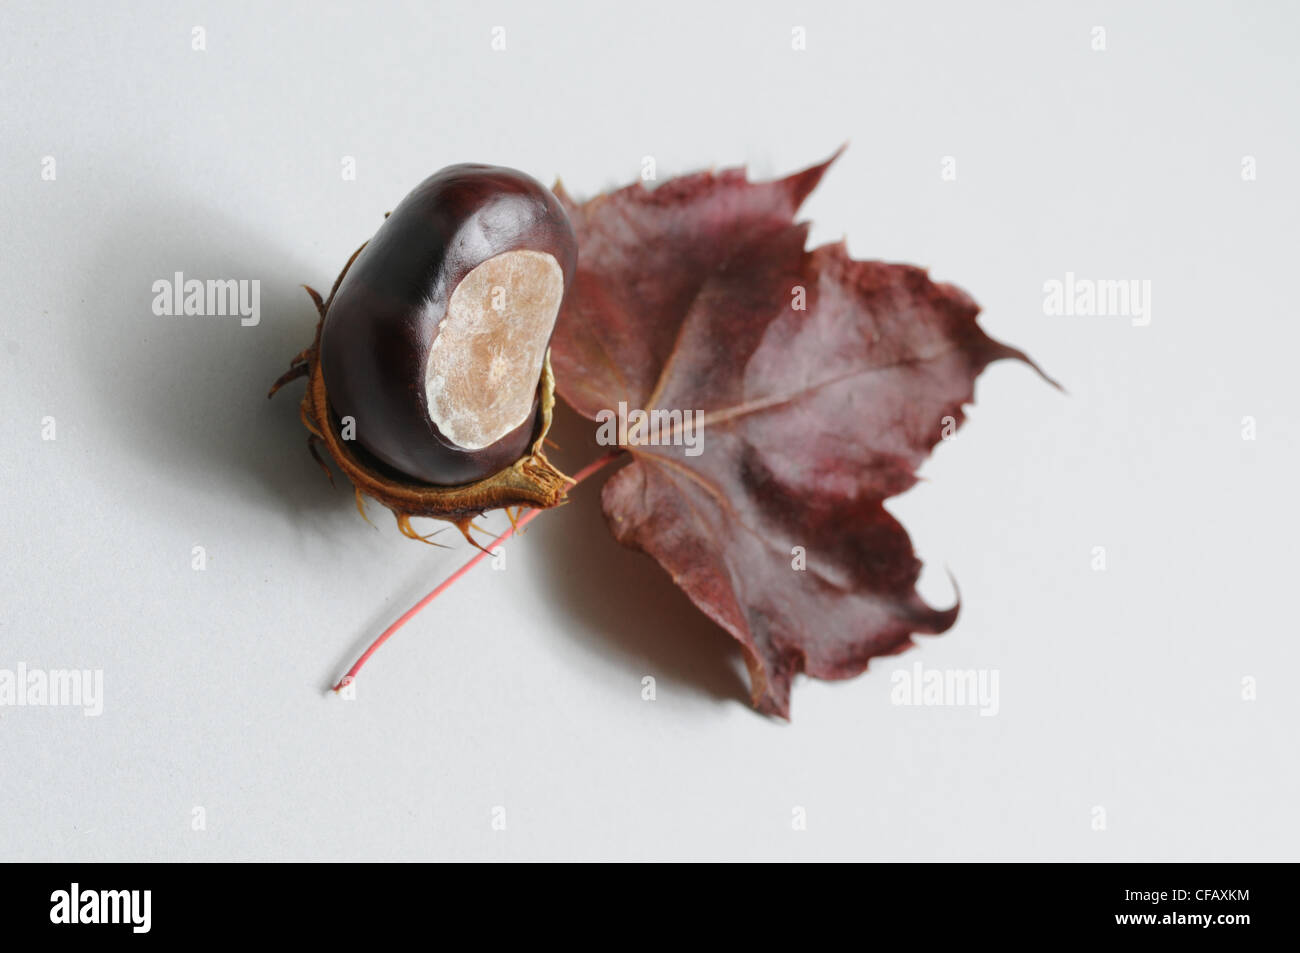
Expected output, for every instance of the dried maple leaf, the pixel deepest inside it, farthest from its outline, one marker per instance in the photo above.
(687, 298)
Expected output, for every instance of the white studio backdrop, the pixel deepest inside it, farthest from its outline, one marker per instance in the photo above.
(1146, 706)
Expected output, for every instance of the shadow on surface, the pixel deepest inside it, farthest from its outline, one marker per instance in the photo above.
(186, 397)
(624, 600)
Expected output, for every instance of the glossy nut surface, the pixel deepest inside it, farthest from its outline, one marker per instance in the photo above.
(438, 330)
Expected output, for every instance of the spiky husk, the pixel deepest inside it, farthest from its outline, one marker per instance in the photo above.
(530, 481)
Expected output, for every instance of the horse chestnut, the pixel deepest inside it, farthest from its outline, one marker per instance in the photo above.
(435, 339)
(433, 346)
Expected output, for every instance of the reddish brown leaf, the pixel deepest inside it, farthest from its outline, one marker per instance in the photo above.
(683, 300)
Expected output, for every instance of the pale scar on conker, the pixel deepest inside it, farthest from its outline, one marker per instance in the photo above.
(433, 347)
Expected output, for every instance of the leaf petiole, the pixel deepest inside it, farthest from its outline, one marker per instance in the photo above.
(410, 613)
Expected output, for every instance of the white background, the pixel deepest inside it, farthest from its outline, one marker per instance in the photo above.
(1120, 689)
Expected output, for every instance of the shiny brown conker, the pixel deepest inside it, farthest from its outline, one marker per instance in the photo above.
(429, 380)
(435, 339)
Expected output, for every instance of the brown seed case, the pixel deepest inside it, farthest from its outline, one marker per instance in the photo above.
(387, 312)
